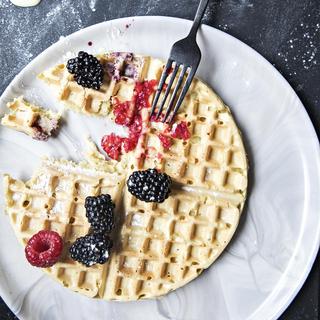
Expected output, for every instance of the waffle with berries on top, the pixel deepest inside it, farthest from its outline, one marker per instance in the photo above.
(158, 247)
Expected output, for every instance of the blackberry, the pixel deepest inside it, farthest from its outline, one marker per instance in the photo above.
(149, 185)
(99, 211)
(87, 70)
(91, 249)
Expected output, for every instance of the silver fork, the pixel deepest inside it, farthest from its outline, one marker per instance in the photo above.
(185, 55)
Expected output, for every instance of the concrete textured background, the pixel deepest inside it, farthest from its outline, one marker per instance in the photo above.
(286, 32)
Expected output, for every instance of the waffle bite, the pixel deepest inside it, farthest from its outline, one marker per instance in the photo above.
(31, 119)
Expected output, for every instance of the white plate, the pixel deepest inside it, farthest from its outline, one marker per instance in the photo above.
(276, 243)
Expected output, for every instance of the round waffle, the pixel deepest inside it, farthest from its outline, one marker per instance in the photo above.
(159, 247)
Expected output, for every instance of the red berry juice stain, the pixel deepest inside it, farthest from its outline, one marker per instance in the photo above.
(165, 141)
(180, 131)
(128, 114)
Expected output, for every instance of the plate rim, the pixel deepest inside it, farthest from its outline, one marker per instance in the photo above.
(313, 140)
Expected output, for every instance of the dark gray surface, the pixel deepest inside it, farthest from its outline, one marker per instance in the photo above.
(286, 32)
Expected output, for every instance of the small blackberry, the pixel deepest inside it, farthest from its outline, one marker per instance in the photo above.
(87, 70)
(91, 249)
(149, 185)
(99, 211)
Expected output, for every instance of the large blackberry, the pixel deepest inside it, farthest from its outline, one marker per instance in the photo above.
(87, 70)
(91, 249)
(149, 185)
(99, 211)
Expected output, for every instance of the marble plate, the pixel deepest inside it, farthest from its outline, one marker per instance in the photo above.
(276, 243)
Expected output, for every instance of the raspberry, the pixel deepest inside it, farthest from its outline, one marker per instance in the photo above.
(134, 134)
(44, 248)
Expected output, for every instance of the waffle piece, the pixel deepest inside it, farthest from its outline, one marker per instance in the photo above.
(118, 67)
(164, 246)
(213, 158)
(31, 119)
(54, 200)
(158, 247)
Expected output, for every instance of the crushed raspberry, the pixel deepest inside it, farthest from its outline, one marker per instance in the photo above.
(180, 131)
(160, 156)
(128, 114)
(123, 113)
(129, 144)
(134, 133)
(142, 93)
(126, 111)
(44, 248)
(165, 141)
(136, 127)
(111, 144)
(154, 118)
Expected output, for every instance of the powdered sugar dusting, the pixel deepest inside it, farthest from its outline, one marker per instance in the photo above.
(16, 196)
(92, 5)
(224, 27)
(137, 220)
(301, 47)
(4, 4)
(26, 39)
(68, 167)
(57, 208)
(42, 183)
(68, 55)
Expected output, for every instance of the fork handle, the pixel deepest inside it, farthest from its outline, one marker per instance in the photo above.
(197, 19)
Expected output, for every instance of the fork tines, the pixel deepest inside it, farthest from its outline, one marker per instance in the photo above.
(172, 67)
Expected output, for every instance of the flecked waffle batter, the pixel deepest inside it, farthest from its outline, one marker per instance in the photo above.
(158, 247)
